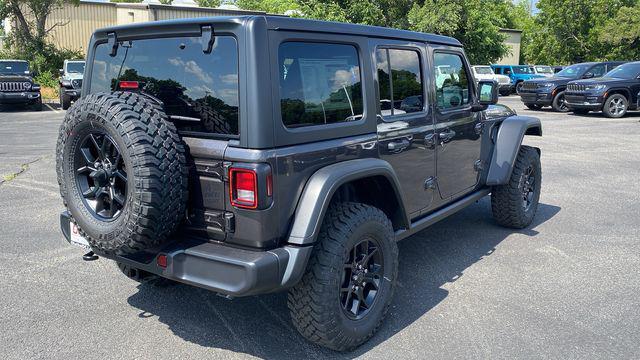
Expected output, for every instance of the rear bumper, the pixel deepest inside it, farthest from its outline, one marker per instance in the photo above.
(538, 98)
(218, 267)
(26, 97)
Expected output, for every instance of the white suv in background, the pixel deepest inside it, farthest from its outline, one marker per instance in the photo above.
(544, 70)
(485, 72)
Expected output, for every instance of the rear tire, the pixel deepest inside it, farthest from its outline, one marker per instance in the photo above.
(519, 87)
(515, 203)
(65, 101)
(533, 106)
(615, 106)
(559, 104)
(323, 304)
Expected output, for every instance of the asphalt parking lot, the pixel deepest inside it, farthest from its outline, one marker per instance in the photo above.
(567, 287)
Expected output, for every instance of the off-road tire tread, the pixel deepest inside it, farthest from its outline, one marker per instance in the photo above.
(158, 158)
(312, 300)
(211, 119)
(506, 200)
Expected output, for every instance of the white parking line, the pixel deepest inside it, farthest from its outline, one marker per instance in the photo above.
(51, 107)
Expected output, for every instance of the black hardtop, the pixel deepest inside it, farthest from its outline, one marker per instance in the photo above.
(281, 23)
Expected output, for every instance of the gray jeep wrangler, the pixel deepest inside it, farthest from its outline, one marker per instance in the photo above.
(247, 155)
(70, 82)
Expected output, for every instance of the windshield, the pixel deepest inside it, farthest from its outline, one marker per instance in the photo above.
(521, 70)
(484, 70)
(14, 67)
(75, 67)
(543, 69)
(625, 71)
(199, 91)
(574, 71)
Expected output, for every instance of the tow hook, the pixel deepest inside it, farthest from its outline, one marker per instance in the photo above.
(90, 256)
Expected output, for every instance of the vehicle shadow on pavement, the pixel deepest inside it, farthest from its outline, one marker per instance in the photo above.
(260, 325)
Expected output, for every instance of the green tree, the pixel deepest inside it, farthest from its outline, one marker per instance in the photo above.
(621, 34)
(476, 23)
(270, 6)
(28, 39)
(31, 19)
(569, 31)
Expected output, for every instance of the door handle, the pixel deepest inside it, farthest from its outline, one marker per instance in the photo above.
(398, 145)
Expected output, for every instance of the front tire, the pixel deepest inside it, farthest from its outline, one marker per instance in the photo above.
(616, 106)
(37, 106)
(559, 103)
(65, 101)
(344, 296)
(515, 203)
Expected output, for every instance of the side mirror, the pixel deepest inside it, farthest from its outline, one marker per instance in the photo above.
(587, 75)
(487, 92)
(61, 71)
(34, 73)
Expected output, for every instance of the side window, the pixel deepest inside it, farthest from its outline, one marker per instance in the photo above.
(319, 84)
(507, 71)
(452, 81)
(598, 70)
(400, 93)
(611, 67)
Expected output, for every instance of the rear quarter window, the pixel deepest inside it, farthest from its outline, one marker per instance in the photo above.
(319, 84)
(199, 91)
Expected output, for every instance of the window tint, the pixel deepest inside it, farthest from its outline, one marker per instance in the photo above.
(199, 91)
(598, 70)
(452, 84)
(319, 84)
(401, 92)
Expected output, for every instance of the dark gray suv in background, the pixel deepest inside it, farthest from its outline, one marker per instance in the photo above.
(247, 155)
(550, 91)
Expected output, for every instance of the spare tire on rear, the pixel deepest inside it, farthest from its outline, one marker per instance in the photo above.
(122, 171)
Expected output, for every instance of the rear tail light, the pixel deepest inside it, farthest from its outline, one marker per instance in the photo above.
(162, 261)
(243, 188)
(129, 85)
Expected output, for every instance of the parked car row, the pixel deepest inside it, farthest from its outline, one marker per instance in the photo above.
(18, 88)
(612, 87)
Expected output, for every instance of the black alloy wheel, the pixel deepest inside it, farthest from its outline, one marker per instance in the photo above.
(528, 187)
(101, 175)
(560, 103)
(361, 278)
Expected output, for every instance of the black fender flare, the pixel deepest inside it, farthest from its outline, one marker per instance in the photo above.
(321, 187)
(507, 144)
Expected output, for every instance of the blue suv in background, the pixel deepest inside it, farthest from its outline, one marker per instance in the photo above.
(517, 74)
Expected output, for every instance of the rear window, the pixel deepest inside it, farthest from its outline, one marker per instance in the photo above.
(199, 91)
(319, 84)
